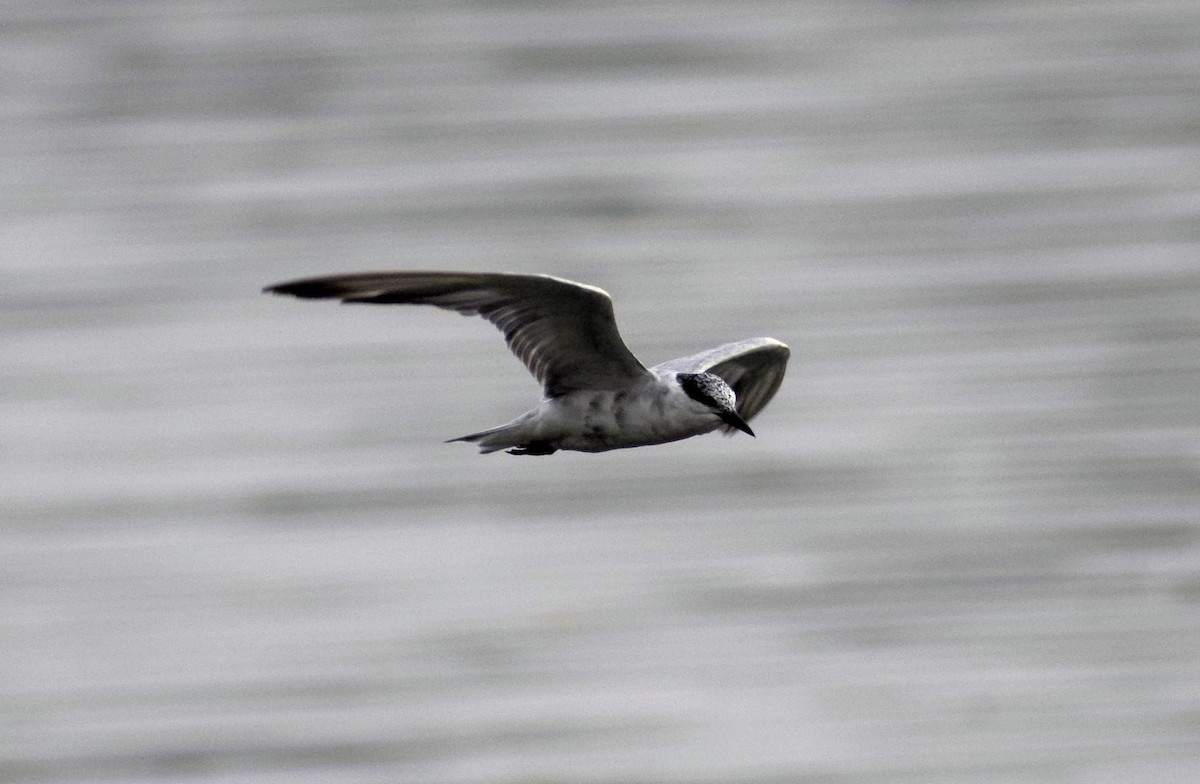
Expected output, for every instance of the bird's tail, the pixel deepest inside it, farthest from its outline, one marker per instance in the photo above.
(493, 439)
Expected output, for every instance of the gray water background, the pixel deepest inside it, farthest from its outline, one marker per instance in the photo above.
(964, 548)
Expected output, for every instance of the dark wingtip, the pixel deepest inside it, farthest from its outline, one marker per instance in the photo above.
(304, 289)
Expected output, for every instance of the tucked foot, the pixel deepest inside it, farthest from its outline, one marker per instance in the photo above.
(534, 448)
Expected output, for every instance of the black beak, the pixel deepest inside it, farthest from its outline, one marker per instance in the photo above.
(733, 420)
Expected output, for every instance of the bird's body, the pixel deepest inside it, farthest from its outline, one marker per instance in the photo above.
(598, 396)
(596, 420)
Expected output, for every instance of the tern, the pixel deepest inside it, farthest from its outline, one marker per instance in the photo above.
(597, 395)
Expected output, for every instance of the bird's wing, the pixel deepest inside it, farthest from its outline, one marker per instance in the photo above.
(753, 368)
(564, 332)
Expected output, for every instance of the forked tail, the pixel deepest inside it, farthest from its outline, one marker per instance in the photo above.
(493, 439)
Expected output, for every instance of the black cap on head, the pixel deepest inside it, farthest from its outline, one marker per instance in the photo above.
(711, 390)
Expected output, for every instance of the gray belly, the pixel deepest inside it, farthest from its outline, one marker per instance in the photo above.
(598, 421)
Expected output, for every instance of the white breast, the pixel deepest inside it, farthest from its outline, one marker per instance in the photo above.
(596, 420)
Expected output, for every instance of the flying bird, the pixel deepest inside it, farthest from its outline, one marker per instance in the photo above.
(597, 395)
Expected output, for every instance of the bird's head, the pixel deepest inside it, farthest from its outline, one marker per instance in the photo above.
(710, 390)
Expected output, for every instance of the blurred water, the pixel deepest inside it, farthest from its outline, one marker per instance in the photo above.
(964, 548)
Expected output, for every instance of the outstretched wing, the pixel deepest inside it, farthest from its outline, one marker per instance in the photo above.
(564, 332)
(753, 368)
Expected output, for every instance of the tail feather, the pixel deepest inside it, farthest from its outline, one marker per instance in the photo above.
(492, 440)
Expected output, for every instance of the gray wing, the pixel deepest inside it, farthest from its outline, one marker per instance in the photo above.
(564, 332)
(753, 368)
